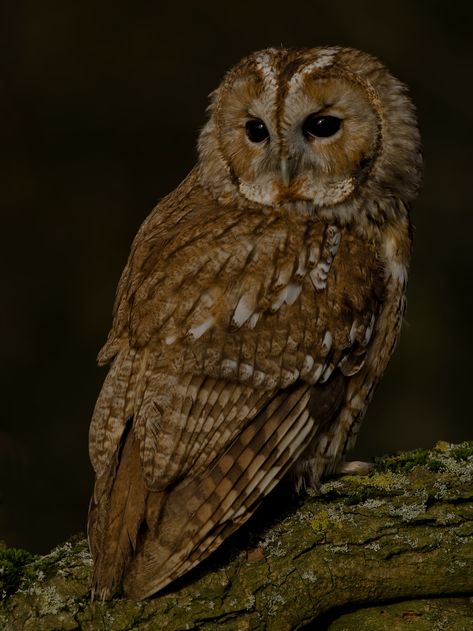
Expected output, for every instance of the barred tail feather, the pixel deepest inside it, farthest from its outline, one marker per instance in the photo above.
(117, 512)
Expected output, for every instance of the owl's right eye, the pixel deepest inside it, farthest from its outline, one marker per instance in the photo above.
(256, 130)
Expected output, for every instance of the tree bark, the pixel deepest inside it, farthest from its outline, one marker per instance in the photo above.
(404, 532)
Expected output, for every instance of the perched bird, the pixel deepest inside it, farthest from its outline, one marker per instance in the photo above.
(260, 304)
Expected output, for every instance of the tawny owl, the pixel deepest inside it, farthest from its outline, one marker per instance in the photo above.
(257, 312)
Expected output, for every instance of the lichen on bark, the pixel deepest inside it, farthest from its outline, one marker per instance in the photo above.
(404, 532)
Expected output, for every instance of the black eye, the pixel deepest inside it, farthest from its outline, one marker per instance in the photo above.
(320, 126)
(256, 130)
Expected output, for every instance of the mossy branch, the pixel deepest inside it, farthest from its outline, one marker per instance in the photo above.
(405, 531)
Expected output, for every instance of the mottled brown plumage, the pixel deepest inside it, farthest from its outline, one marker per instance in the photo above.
(258, 309)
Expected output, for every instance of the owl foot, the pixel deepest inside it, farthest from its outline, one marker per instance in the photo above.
(355, 467)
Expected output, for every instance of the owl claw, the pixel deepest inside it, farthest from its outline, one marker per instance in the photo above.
(354, 467)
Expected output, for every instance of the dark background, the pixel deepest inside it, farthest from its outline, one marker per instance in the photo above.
(100, 105)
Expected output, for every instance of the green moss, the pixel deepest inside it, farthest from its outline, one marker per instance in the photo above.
(436, 465)
(442, 446)
(386, 482)
(436, 461)
(403, 462)
(321, 521)
(359, 496)
(13, 570)
(363, 488)
(327, 520)
(462, 452)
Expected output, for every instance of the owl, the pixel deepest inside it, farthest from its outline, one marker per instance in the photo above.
(258, 309)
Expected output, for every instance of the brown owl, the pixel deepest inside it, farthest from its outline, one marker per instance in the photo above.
(257, 312)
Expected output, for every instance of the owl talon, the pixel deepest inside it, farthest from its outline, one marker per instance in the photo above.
(354, 467)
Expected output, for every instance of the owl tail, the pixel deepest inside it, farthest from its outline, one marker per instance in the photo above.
(116, 514)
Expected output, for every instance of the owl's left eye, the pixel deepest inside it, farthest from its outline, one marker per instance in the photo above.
(321, 126)
(256, 130)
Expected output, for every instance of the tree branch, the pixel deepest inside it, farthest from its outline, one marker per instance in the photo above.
(403, 532)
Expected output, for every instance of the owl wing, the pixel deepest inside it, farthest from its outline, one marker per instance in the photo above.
(219, 342)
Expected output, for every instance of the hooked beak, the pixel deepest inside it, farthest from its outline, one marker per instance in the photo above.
(285, 171)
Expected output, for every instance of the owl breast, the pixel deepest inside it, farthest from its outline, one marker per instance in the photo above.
(265, 301)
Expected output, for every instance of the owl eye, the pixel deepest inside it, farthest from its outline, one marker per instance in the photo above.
(256, 130)
(320, 126)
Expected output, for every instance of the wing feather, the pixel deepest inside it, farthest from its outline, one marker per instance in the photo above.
(227, 493)
(114, 407)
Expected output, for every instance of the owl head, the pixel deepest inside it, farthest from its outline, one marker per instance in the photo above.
(324, 130)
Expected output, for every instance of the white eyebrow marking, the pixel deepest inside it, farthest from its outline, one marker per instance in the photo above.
(265, 65)
(324, 59)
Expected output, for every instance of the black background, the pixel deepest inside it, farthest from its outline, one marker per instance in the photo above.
(100, 105)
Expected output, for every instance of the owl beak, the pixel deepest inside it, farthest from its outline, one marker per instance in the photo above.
(285, 171)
